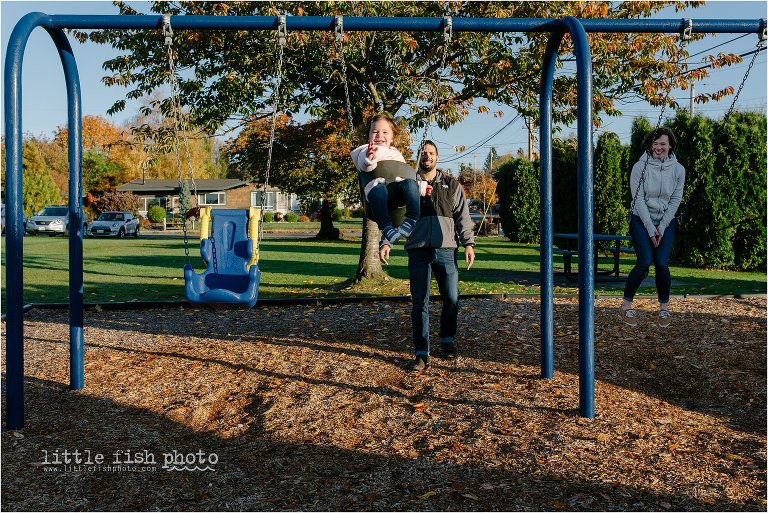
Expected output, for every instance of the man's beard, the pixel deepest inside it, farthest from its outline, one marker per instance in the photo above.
(423, 167)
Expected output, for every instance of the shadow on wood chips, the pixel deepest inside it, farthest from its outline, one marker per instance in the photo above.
(310, 408)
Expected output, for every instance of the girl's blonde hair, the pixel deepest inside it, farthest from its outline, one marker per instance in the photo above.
(387, 117)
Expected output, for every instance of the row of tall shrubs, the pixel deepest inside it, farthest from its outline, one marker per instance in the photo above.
(724, 203)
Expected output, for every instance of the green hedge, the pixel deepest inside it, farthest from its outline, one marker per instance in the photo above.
(518, 190)
(610, 181)
(724, 202)
(723, 206)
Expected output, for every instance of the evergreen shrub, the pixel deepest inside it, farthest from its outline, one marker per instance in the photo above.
(518, 191)
(156, 214)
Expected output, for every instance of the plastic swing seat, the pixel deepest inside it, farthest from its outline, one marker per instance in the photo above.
(389, 170)
(232, 275)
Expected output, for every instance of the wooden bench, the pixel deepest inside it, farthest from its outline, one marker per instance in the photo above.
(567, 255)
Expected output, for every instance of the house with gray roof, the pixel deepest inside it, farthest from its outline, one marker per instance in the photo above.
(216, 193)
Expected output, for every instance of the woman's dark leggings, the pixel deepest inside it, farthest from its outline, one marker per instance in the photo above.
(647, 254)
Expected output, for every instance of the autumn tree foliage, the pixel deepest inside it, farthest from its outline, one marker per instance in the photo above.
(114, 154)
(98, 135)
(483, 191)
(38, 188)
(226, 77)
(115, 201)
(309, 159)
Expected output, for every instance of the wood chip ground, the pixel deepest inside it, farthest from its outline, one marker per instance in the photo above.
(311, 408)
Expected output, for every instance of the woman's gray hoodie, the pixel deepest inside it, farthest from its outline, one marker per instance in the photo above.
(661, 192)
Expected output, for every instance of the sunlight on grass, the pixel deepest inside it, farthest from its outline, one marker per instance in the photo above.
(151, 269)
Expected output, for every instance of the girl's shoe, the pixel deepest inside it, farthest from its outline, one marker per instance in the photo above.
(628, 316)
(665, 318)
(391, 234)
(407, 226)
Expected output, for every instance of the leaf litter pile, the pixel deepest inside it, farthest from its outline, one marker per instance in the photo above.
(311, 408)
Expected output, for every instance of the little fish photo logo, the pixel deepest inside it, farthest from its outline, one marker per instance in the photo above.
(126, 460)
(199, 461)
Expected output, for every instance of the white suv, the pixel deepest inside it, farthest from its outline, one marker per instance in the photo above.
(51, 220)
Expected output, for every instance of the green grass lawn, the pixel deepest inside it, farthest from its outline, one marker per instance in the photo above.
(151, 269)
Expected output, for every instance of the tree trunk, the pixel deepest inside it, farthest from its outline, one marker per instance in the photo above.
(369, 266)
(327, 230)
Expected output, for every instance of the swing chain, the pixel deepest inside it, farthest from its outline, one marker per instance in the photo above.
(760, 44)
(282, 38)
(213, 255)
(686, 34)
(179, 127)
(447, 37)
(339, 30)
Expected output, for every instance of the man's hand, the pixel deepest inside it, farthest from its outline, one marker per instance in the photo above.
(384, 253)
(469, 255)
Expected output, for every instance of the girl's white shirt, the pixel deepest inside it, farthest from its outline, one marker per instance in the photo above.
(363, 163)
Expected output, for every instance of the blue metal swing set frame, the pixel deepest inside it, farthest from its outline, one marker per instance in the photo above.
(577, 28)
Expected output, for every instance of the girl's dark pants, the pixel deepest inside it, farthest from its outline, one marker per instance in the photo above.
(384, 198)
(647, 255)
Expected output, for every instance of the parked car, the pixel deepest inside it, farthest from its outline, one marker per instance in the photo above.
(114, 224)
(23, 220)
(52, 220)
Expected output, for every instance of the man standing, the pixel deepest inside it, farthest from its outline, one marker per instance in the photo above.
(432, 247)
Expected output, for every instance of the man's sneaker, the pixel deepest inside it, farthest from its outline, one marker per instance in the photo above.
(420, 363)
(391, 234)
(665, 318)
(628, 316)
(407, 226)
(449, 351)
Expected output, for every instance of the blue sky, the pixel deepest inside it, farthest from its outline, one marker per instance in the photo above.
(44, 95)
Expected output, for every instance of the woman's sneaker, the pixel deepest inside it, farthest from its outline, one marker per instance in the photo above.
(665, 318)
(629, 316)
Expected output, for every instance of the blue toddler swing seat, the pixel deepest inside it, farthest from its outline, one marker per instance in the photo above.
(231, 253)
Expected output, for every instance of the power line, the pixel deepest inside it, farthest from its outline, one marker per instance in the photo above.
(478, 145)
(718, 46)
(710, 65)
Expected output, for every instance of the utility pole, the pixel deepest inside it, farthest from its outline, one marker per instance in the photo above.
(530, 139)
(692, 95)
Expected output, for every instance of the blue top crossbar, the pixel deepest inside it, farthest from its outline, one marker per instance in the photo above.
(296, 23)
